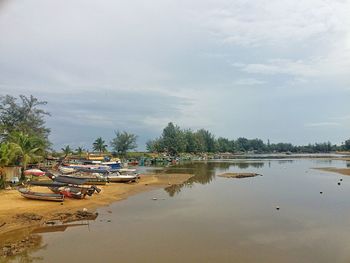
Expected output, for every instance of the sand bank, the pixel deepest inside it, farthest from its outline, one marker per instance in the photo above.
(19, 216)
(238, 175)
(344, 171)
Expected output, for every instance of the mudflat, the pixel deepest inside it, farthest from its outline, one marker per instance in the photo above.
(19, 215)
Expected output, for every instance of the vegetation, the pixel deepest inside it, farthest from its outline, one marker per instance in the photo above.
(123, 142)
(66, 151)
(23, 134)
(24, 116)
(99, 145)
(174, 140)
(26, 148)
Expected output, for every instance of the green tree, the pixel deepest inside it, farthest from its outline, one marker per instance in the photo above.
(79, 151)
(66, 151)
(224, 145)
(123, 142)
(27, 149)
(99, 145)
(7, 154)
(173, 139)
(207, 140)
(193, 142)
(155, 145)
(23, 115)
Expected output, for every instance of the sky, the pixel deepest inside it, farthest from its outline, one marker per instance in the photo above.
(269, 69)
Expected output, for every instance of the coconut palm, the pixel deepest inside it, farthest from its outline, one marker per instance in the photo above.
(27, 148)
(99, 145)
(79, 151)
(67, 151)
(7, 154)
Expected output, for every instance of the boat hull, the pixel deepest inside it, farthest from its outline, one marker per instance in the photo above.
(41, 196)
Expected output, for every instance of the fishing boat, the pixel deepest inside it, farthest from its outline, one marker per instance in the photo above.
(121, 178)
(35, 172)
(79, 180)
(41, 196)
(75, 192)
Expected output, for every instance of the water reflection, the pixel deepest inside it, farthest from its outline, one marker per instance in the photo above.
(204, 172)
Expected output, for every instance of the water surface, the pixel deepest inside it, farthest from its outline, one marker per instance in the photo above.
(214, 219)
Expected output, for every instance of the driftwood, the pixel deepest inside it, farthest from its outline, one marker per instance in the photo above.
(239, 175)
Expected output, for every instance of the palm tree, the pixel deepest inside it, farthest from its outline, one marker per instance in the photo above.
(79, 151)
(27, 148)
(7, 154)
(99, 145)
(67, 151)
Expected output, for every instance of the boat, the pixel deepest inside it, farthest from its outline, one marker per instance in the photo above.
(35, 172)
(41, 196)
(121, 178)
(79, 180)
(75, 192)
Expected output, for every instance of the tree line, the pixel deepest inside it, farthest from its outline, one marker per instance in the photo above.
(120, 145)
(175, 140)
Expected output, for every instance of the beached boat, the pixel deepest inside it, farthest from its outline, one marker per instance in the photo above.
(121, 178)
(79, 180)
(74, 191)
(41, 196)
(35, 172)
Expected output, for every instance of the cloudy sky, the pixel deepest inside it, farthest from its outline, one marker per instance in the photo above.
(272, 69)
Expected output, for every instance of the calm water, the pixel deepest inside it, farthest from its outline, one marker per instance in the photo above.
(214, 219)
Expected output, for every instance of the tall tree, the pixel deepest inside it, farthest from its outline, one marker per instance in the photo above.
(155, 145)
(207, 140)
(27, 148)
(66, 151)
(79, 151)
(23, 115)
(99, 145)
(124, 142)
(173, 139)
(7, 154)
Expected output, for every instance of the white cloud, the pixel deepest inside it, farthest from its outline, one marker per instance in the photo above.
(322, 124)
(248, 82)
(274, 22)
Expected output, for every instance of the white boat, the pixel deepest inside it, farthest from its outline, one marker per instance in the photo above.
(121, 178)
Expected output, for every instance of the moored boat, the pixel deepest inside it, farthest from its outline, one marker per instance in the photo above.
(41, 196)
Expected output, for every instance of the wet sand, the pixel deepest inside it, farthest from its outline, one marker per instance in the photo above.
(344, 171)
(19, 216)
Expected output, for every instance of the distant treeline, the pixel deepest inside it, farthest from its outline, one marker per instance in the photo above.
(175, 140)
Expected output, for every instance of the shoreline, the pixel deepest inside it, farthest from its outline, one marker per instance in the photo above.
(19, 216)
(343, 171)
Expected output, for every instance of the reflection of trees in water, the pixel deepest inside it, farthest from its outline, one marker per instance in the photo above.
(285, 161)
(245, 165)
(204, 172)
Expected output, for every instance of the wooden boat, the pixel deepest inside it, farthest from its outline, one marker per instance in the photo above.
(74, 191)
(79, 180)
(41, 196)
(121, 178)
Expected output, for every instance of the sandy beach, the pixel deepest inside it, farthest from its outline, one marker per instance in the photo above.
(19, 216)
(344, 171)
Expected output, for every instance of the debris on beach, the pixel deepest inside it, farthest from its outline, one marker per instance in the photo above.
(76, 216)
(28, 217)
(239, 175)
